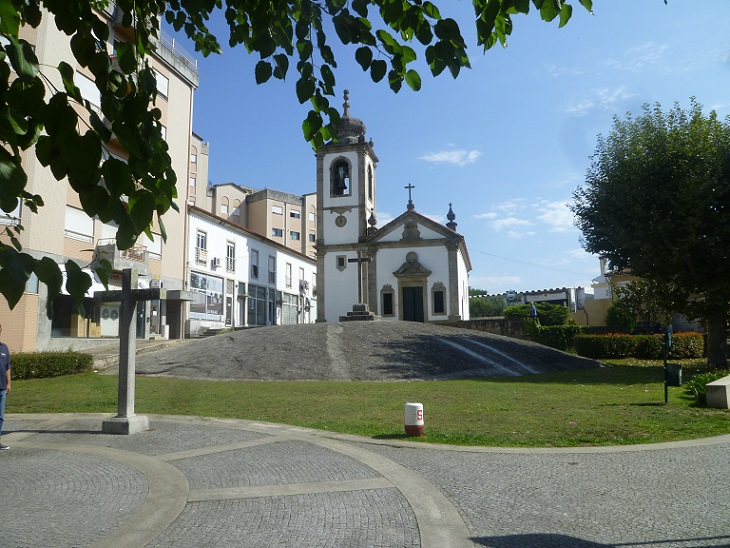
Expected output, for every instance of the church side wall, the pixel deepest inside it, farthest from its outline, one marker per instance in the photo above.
(463, 285)
(341, 285)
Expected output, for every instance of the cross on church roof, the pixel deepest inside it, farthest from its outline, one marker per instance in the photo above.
(410, 187)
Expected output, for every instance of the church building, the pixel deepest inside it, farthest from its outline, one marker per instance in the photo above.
(411, 269)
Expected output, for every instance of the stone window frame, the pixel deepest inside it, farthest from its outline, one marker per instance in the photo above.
(387, 290)
(341, 262)
(438, 287)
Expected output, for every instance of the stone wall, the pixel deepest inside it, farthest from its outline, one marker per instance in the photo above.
(496, 326)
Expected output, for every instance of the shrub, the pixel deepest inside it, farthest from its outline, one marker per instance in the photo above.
(548, 314)
(646, 347)
(695, 387)
(50, 364)
(555, 336)
(605, 346)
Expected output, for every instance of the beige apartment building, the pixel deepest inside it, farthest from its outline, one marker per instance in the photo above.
(286, 219)
(62, 230)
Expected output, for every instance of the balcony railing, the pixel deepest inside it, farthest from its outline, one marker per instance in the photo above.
(135, 257)
(201, 256)
(230, 264)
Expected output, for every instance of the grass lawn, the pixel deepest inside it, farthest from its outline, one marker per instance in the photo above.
(622, 403)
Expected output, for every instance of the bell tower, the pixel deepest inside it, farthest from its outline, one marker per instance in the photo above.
(345, 197)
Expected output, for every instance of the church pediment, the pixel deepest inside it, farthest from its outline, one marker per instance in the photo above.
(411, 227)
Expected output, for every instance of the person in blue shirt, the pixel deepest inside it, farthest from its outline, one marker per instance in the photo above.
(4, 383)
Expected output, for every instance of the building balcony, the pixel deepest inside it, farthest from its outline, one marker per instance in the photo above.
(201, 256)
(135, 257)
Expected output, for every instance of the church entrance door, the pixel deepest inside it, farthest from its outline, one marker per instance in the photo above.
(413, 304)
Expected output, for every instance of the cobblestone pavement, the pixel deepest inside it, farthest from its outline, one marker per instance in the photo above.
(208, 482)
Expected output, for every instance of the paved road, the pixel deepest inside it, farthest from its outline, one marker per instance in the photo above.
(192, 482)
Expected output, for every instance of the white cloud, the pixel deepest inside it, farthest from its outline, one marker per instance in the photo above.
(383, 219)
(508, 222)
(498, 283)
(639, 58)
(490, 215)
(557, 216)
(602, 99)
(455, 157)
(557, 71)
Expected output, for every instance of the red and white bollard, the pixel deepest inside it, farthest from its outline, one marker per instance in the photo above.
(414, 419)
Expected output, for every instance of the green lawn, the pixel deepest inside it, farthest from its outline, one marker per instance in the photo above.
(622, 403)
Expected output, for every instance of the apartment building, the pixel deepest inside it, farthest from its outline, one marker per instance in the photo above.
(241, 279)
(62, 230)
(287, 219)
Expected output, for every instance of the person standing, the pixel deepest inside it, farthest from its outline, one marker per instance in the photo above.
(4, 383)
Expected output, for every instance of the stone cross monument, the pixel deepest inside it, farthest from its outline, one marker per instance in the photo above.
(126, 422)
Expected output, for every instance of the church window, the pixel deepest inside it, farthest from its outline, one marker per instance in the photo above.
(341, 262)
(370, 183)
(439, 298)
(341, 178)
(387, 299)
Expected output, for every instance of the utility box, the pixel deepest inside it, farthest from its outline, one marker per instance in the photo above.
(673, 374)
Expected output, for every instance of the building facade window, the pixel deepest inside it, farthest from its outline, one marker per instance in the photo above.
(312, 237)
(201, 248)
(438, 298)
(272, 269)
(387, 301)
(370, 183)
(293, 235)
(256, 305)
(78, 226)
(254, 258)
(192, 182)
(224, 206)
(287, 275)
(230, 256)
(294, 214)
(312, 216)
(341, 262)
(277, 210)
(193, 157)
(163, 84)
(277, 232)
(208, 296)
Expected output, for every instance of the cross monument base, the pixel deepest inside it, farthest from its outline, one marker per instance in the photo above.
(125, 425)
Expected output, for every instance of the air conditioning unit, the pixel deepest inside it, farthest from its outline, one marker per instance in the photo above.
(216, 262)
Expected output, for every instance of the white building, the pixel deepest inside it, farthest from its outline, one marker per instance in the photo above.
(412, 269)
(238, 278)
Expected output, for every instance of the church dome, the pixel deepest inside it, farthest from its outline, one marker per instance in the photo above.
(349, 129)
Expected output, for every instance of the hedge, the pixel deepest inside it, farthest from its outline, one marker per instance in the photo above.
(38, 365)
(646, 347)
(555, 336)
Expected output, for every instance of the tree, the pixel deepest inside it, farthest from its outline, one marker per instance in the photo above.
(484, 306)
(547, 313)
(640, 302)
(656, 202)
(68, 136)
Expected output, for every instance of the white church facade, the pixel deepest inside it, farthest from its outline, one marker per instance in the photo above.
(411, 269)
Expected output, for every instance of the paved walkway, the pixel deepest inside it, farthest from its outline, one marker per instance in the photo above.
(207, 482)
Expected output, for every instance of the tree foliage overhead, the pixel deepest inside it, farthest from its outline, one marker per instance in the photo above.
(656, 202)
(70, 137)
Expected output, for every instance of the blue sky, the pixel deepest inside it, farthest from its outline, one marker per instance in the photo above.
(507, 142)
